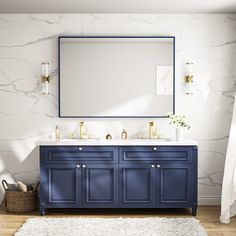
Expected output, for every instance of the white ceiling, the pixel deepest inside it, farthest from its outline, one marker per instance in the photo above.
(117, 6)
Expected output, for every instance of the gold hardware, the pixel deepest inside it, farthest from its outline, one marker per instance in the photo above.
(152, 166)
(45, 79)
(124, 134)
(58, 133)
(77, 166)
(80, 148)
(158, 166)
(108, 137)
(188, 79)
(155, 148)
(152, 130)
(81, 131)
(83, 166)
(151, 123)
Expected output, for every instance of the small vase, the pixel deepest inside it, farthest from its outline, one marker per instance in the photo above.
(179, 134)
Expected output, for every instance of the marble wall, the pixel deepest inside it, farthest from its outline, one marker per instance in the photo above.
(27, 116)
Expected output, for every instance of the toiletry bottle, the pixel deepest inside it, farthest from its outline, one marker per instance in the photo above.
(58, 133)
(124, 134)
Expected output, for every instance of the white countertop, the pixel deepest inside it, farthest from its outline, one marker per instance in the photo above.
(116, 142)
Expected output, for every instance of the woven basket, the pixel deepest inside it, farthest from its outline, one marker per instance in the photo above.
(19, 202)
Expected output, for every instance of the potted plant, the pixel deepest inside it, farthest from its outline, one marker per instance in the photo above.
(180, 121)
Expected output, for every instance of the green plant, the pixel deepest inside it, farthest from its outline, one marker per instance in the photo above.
(180, 121)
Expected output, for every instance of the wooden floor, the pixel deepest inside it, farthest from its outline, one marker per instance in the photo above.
(207, 215)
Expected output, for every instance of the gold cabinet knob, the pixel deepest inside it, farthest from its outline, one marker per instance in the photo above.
(83, 166)
(155, 148)
(158, 166)
(80, 148)
(152, 166)
(77, 166)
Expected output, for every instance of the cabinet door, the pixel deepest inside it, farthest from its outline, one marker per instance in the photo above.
(60, 185)
(175, 184)
(136, 185)
(99, 185)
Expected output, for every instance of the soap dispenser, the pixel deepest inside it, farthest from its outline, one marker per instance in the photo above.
(58, 133)
(124, 134)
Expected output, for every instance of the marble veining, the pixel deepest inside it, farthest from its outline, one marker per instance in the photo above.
(27, 116)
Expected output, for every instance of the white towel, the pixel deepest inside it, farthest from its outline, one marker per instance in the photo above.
(228, 196)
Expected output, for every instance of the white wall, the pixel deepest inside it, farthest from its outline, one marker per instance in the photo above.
(27, 116)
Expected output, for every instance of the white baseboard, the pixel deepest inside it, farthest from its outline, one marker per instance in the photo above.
(209, 201)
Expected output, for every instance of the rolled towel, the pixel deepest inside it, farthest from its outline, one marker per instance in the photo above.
(21, 186)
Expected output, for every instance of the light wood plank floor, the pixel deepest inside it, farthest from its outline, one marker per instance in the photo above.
(207, 215)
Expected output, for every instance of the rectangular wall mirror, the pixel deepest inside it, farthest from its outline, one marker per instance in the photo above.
(116, 76)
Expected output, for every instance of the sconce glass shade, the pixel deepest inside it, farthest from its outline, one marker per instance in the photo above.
(189, 68)
(45, 78)
(45, 87)
(45, 69)
(189, 88)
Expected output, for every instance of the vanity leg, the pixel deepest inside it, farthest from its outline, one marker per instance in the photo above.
(194, 211)
(42, 211)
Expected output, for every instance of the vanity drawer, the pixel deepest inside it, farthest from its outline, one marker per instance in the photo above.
(156, 153)
(81, 154)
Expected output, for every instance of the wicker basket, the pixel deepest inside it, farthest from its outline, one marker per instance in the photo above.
(19, 202)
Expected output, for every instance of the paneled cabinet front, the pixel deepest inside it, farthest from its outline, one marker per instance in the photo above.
(175, 184)
(76, 184)
(136, 185)
(118, 177)
(100, 185)
(60, 186)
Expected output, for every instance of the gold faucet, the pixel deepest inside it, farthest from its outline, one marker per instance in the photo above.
(151, 126)
(81, 129)
(153, 130)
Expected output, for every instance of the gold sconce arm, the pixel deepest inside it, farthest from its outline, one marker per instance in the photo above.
(188, 79)
(46, 79)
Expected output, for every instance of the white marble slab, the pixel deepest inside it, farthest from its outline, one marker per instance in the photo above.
(116, 142)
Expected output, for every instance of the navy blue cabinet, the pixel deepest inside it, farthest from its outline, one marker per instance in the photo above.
(100, 185)
(175, 184)
(64, 184)
(136, 185)
(118, 177)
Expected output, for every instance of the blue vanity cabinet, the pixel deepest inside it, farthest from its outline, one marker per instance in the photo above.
(118, 177)
(174, 182)
(100, 188)
(75, 177)
(60, 186)
(137, 185)
(170, 183)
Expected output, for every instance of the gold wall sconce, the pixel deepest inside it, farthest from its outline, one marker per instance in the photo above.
(188, 79)
(45, 78)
